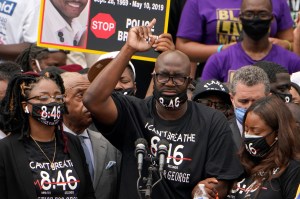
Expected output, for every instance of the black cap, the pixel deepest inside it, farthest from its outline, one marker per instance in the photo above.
(211, 87)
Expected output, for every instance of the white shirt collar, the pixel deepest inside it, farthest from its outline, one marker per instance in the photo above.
(66, 129)
(60, 23)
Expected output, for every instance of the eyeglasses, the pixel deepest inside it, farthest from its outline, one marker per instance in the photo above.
(59, 98)
(260, 15)
(164, 78)
(217, 105)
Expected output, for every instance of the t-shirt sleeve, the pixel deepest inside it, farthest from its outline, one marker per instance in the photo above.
(222, 159)
(284, 20)
(188, 29)
(211, 68)
(125, 126)
(290, 180)
(294, 65)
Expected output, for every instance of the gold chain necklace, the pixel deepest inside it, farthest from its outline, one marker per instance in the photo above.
(51, 162)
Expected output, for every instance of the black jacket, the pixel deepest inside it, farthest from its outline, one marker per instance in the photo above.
(16, 179)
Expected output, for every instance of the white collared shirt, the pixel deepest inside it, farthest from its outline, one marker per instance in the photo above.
(54, 23)
(86, 141)
(19, 21)
(2, 135)
(240, 126)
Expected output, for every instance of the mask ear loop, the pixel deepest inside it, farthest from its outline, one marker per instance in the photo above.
(26, 109)
(38, 65)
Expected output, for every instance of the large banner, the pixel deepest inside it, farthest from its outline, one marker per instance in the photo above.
(99, 26)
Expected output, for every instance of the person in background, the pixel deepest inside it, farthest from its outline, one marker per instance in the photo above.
(214, 94)
(35, 58)
(279, 79)
(103, 159)
(37, 159)
(126, 84)
(295, 92)
(256, 17)
(270, 153)
(7, 70)
(296, 44)
(207, 27)
(249, 84)
(123, 119)
(19, 27)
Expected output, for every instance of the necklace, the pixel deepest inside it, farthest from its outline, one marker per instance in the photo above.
(51, 162)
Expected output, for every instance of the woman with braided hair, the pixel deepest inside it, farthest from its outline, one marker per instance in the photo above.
(37, 159)
(35, 58)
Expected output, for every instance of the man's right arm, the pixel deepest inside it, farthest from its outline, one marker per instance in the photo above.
(97, 99)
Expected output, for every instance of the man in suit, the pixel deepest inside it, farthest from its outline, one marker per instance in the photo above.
(102, 158)
(249, 83)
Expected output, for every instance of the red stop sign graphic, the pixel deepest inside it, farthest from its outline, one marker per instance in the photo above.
(103, 25)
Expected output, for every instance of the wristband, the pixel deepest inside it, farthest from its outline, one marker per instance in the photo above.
(289, 43)
(219, 48)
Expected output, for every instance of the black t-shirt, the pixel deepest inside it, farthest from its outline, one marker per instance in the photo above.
(62, 181)
(200, 146)
(284, 187)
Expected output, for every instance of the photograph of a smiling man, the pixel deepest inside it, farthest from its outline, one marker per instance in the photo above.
(65, 22)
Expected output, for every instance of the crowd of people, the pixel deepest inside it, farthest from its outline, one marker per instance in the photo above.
(222, 109)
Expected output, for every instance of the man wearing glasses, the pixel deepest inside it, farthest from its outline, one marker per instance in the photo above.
(256, 17)
(214, 94)
(200, 143)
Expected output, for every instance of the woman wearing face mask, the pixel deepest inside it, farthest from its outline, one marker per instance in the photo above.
(37, 159)
(207, 27)
(270, 154)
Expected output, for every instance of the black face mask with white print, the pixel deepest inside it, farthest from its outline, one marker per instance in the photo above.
(127, 91)
(170, 102)
(257, 146)
(48, 114)
(287, 98)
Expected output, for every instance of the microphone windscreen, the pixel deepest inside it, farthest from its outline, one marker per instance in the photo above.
(141, 141)
(163, 142)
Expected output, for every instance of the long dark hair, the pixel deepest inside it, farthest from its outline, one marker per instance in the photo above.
(15, 120)
(275, 114)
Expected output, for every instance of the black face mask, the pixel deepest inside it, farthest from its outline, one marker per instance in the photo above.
(257, 146)
(170, 102)
(256, 28)
(287, 98)
(48, 114)
(128, 91)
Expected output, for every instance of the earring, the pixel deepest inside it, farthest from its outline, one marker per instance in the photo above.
(26, 109)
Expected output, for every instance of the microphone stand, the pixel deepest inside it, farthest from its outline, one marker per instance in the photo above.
(149, 180)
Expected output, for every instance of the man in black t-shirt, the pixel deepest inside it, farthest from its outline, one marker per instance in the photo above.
(200, 143)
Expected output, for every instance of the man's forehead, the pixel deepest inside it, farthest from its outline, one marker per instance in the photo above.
(76, 84)
(255, 4)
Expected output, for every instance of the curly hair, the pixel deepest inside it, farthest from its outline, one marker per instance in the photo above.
(250, 76)
(15, 120)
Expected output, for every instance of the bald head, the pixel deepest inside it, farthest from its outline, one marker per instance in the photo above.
(71, 79)
(173, 59)
(257, 5)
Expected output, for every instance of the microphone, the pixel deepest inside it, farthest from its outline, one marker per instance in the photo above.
(162, 151)
(140, 151)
